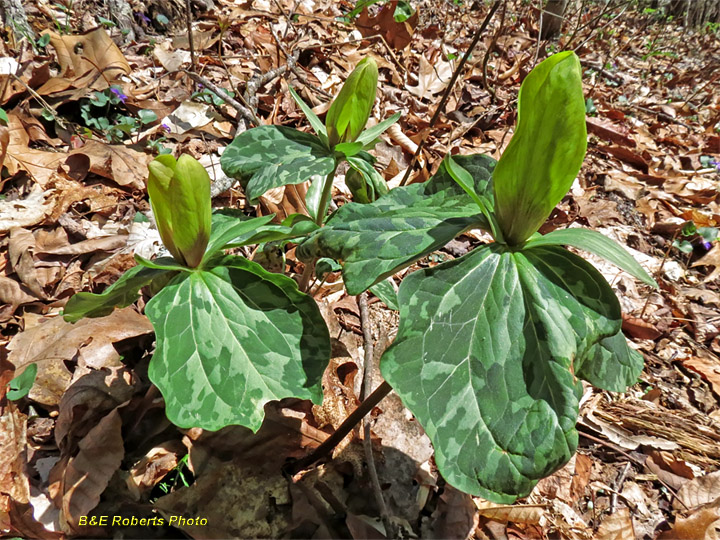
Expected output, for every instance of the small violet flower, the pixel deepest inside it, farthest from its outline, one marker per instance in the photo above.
(715, 164)
(115, 90)
(165, 127)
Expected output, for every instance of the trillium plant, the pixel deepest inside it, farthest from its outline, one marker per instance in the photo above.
(492, 346)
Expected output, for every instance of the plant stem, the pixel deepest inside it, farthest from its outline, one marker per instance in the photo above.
(325, 198)
(367, 437)
(346, 427)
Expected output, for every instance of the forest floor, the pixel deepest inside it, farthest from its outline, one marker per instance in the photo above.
(91, 438)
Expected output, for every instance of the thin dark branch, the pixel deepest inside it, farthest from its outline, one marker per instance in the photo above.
(243, 111)
(448, 89)
(346, 427)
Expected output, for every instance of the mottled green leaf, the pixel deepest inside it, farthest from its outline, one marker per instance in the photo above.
(372, 185)
(546, 152)
(120, 294)
(20, 386)
(597, 244)
(232, 338)
(267, 157)
(162, 263)
(385, 291)
(374, 241)
(611, 364)
(483, 358)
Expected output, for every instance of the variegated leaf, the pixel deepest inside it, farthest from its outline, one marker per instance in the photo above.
(267, 157)
(373, 241)
(232, 338)
(484, 358)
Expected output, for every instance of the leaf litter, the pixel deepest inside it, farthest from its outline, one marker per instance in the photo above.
(73, 206)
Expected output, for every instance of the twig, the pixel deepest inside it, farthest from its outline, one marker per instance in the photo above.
(617, 486)
(40, 100)
(489, 50)
(367, 440)
(188, 21)
(243, 111)
(292, 65)
(341, 432)
(448, 89)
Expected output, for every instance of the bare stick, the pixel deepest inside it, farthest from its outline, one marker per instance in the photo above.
(618, 486)
(367, 440)
(346, 427)
(188, 21)
(448, 89)
(243, 111)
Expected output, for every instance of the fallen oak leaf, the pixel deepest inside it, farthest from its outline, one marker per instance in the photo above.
(639, 329)
(124, 166)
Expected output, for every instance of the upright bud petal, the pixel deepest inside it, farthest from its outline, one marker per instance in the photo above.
(180, 198)
(546, 152)
(351, 109)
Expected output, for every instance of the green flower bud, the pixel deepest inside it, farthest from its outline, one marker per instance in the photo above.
(548, 147)
(351, 109)
(180, 198)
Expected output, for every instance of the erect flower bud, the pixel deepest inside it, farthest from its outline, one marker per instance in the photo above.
(180, 199)
(351, 109)
(546, 152)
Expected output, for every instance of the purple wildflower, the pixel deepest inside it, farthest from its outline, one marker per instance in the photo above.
(165, 127)
(707, 245)
(144, 18)
(716, 164)
(115, 90)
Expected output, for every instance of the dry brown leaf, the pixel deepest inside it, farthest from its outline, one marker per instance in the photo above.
(708, 368)
(13, 453)
(454, 517)
(11, 293)
(397, 35)
(124, 166)
(41, 166)
(91, 245)
(21, 250)
(711, 258)
(700, 525)
(88, 473)
(698, 491)
(90, 341)
(80, 55)
(432, 77)
(671, 471)
(4, 142)
(25, 212)
(638, 328)
(530, 514)
(609, 131)
(147, 472)
(617, 526)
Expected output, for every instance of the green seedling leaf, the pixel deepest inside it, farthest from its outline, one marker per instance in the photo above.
(708, 234)
(4, 120)
(20, 386)
(385, 291)
(483, 359)
(163, 263)
(147, 116)
(180, 198)
(315, 122)
(597, 244)
(120, 294)
(544, 156)
(232, 338)
(266, 157)
(350, 110)
(403, 11)
(348, 149)
(369, 137)
(233, 227)
(374, 241)
(684, 246)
